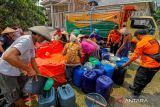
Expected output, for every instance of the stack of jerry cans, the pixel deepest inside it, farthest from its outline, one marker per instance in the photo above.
(104, 86)
(66, 96)
(48, 99)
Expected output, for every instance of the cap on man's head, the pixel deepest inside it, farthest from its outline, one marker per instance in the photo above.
(140, 32)
(96, 31)
(43, 31)
(76, 32)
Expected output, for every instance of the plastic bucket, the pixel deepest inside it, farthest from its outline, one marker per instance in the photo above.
(35, 86)
(95, 100)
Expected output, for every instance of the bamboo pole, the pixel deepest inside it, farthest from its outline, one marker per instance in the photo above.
(52, 16)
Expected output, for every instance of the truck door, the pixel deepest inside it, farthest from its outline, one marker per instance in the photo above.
(147, 23)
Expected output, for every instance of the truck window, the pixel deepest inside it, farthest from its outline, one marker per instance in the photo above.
(143, 24)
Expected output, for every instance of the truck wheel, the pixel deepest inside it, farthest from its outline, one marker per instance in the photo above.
(133, 46)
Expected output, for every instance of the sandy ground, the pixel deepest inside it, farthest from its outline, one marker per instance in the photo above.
(150, 96)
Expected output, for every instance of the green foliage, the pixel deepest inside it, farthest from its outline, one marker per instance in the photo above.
(22, 12)
(157, 14)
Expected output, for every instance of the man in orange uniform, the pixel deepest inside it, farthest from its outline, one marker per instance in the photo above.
(148, 66)
(114, 39)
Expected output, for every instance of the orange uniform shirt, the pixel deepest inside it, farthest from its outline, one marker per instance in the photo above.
(114, 36)
(147, 45)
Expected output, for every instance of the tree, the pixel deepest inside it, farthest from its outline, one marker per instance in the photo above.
(157, 14)
(22, 12)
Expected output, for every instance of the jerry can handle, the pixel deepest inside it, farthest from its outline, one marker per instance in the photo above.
(65, 90)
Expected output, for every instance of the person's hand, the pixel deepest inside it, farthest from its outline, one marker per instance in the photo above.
(117, 53)
(119, 50)
(25, 72)
(119, 45)
(124, 65)
(108, 42)
(32, 72)
(114, 44)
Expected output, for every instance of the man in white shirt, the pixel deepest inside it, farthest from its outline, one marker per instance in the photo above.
(15, 60)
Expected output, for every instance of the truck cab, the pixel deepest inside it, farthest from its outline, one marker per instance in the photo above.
(142, 22)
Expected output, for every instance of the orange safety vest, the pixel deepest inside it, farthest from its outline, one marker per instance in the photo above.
(114, 36)
(147, 45)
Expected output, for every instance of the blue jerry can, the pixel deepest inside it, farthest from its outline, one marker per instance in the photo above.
(77, 76)
(88, 81)
(99, 72)
(66, 96)
(48, 99)
(108, 70)
(104, 86)
(103, 50)
(105, 56)
(122, 61)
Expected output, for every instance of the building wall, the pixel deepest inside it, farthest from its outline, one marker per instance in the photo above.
(75, 6)
(143, 9)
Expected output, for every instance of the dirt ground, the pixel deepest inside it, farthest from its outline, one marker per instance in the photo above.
(150, 96)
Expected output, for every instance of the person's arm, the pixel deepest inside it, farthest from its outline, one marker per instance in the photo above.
(12, 56)
(127, 63)
(109, 37)
(1, 48)
(137, 52)
(65, 50)
(34, 65)
(80, 51)
(124, 42)
(67, 36)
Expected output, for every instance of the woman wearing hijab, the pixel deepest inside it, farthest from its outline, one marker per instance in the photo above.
(72, 51)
